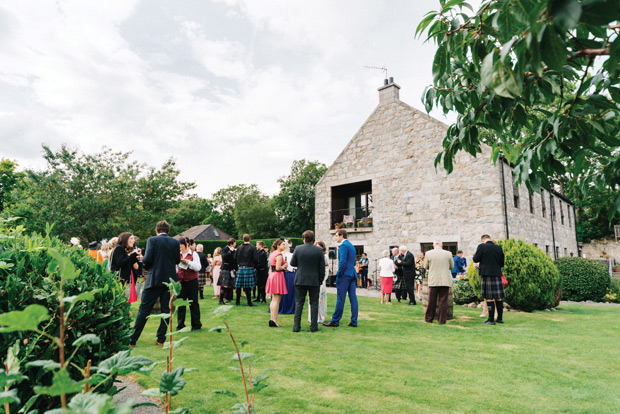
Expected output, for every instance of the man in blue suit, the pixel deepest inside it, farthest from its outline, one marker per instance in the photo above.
(346, 279)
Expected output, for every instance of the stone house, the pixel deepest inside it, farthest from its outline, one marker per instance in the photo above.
(384, 189)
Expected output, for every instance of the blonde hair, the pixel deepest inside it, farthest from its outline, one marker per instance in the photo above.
(112, 243)
(217, 252)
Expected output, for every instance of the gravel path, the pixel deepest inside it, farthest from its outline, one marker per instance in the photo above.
(134, 392)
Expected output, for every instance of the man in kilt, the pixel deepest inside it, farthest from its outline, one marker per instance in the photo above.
(246, 257)
(202, 273)
(489, 259)
(227, 271)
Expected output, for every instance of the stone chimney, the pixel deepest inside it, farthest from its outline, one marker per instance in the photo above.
(388, 92)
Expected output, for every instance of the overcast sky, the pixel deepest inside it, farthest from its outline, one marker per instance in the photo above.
(234, 90)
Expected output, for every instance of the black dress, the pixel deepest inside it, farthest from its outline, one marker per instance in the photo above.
(123, 262)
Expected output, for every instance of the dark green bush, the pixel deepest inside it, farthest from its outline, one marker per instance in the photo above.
(583, 279)
(533, 280)
(463, 292)
(25, 281)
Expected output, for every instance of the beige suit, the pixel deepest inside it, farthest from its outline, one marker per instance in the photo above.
(439, 263)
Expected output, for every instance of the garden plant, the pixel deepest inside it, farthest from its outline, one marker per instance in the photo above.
(583, 279)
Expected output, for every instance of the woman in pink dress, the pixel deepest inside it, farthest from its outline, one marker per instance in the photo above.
(217, 266)
(276, 283)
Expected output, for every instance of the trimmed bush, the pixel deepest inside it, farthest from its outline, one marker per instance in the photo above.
(24, 280)
(583, 279)
(463, 292)
(533, 280)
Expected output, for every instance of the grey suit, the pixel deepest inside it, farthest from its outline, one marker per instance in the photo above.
(310, 263)
(162, 254)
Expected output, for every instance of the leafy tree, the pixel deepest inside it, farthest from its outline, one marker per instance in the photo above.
(224, 203)
(255, 214)
(295, 202)
(536, 80)
(93, 196)
(190, 212)
(9, 180)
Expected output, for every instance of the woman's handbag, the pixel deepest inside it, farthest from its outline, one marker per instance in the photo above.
(504, 280)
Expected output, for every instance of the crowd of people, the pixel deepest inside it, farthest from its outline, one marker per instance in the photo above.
(258, 272)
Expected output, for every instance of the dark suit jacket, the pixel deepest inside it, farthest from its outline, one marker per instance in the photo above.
(408, 263)
(491, 259)
(310, 263)
(161, 257)
(399, 267)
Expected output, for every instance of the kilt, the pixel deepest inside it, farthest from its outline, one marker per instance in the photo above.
(492, 287)
(227, 279)
(245, 278)
(400, 283)
(202, 279)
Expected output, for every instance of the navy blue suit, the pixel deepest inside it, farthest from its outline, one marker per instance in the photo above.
(160, 260)
(346, 279)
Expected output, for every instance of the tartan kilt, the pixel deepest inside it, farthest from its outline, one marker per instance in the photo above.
(227, 279)
(202, 279)
(245, 278)
(400, 282)
(492, 287)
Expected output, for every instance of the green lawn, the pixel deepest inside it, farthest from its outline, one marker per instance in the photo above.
(566, 361)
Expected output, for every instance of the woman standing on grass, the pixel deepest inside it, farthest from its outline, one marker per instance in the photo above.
(386, 266)
(276, 283)
(217, 265)
(124, 257)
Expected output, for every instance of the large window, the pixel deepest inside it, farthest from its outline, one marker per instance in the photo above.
(352, 205)
(452, 247)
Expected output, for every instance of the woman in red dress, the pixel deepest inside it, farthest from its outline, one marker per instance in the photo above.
(276, 283)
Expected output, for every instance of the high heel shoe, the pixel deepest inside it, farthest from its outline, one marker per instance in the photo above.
(272, 324)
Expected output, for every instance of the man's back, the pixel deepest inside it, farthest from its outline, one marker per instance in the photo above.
(310, 263)
(439, 263)
(491, 259)
(346, 259)
(162, 255)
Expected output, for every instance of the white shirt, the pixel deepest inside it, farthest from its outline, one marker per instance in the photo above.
(194, 265)
(386, 266)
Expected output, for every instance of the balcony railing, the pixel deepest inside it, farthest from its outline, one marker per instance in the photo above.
(359, 217)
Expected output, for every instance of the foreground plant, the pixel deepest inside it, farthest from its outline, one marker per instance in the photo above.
(255, 383)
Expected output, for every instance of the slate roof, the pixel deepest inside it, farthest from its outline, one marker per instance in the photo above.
(204, 232)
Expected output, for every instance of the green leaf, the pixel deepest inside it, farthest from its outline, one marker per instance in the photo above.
(147, 369)
(91, 403)
(7, 380)
(122, 363)
(186, 329)
(26, 407)
(181, 302)
(566, 13)
(92, 338)
(153, 392)
(85, 296)
(243, 355)
(62, 383)
(27, 320)
(486, 70)
(175, 344)
(222, 310)
(65, 266)
(225, 392)
(46, 364)
(9, 396)
(218, 329)
(553, 49)
(180, 410)
(172, 382)
(159, 315)
(440, 63)
(600, 12)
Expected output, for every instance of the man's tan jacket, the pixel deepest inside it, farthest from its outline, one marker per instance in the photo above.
(439, 263)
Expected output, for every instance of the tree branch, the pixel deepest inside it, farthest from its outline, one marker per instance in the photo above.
(591, 53)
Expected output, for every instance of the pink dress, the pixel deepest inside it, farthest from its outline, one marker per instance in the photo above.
(276, 283)
(217, 266)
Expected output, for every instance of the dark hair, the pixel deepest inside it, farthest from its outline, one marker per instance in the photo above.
(246, 238)
(260, 243)
(162, 227)
(123, 240)
(275, 244)
(485, 236)
(231, 241)
(308, 236)
(365, 254)
(459, 251)
(341, 232)
(322, 246)
(184, 241)
(190, 242)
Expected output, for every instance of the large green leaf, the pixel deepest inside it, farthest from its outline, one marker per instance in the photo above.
(242, 355)
(62, 383)
(566, 13)
(222, 310)
(27, 320)
(553, 49)
(440, 63)
(9, 396)
(47, 365)
(122, 363)
(63, 264)
(92, 338)
(600, 12)
(172, 382)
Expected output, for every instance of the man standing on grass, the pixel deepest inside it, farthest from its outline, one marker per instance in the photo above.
(346, 279)
(489, 259)
(310, 263)
(439, 264)
(160, 260)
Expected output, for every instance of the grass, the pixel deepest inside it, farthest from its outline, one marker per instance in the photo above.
(543, 362)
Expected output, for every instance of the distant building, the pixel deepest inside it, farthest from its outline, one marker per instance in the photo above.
(385, 190)
(204, 232)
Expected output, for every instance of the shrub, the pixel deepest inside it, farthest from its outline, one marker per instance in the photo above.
(463, 292)
(583, 279)
(533, 280)
(24, 281)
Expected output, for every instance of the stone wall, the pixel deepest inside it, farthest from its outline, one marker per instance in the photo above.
(595, 249)
(413, 203)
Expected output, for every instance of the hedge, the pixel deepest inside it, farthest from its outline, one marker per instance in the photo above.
(583, 279)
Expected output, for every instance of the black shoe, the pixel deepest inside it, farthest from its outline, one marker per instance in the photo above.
(272, 324)
(487, 322)
(250, 304)
(411, 303)
(237, 303)
(352, 326)
(330, 324)
(196, 329)
(296, 329)
(398, 300)
(263, 301)
(180, 327)
(226, 301)
(499, 321)
(221, 302)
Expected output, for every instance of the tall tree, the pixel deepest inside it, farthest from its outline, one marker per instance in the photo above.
(255, 214)
(191, 212)
(295, 202)
(224, 202)
(536, 80)
(94, 196)
(9, 179)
